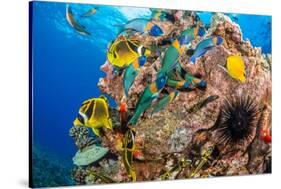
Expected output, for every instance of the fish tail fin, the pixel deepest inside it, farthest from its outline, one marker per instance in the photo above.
(160, 105)
(126, 91)
(121, 28)
(202, 84)
(68, 9)
(96, 132)
(242, 79)
(133, 175)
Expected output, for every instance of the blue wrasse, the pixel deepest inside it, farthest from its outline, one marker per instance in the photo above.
(74, 23)
(204, 46)
(142, 25)
(131, 73)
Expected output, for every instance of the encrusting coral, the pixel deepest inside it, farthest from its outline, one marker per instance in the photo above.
(81, 137)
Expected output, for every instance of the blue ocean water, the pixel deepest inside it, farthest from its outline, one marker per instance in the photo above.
(66, 65)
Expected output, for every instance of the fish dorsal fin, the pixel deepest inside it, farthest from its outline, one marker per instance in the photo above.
(103, 97)
(148, 26)
(153, 88)
(176, 44)
(195, 31)
(215, 40)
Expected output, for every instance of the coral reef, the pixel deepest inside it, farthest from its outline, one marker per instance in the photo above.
(197, 134)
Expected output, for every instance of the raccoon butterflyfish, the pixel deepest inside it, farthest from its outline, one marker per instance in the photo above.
(123, 52)
(74, 23)
(235, 67)
(204, 46)
(127, 154)
(142, 25)
(94, 113)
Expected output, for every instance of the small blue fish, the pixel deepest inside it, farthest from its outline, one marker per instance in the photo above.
(142, 25)
(204, 46)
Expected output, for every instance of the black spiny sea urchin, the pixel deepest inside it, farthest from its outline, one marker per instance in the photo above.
(237, 121)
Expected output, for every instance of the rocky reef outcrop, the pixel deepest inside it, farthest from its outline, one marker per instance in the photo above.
(185, 139)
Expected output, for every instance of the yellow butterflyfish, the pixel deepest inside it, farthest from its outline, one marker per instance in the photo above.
(123, 52)
(94, 113)
(236, 68)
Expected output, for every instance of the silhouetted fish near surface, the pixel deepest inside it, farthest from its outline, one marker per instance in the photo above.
(142, 25)
(90, 12)
(74, 23)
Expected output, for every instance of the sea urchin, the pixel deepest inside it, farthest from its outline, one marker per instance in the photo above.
(237, 121)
